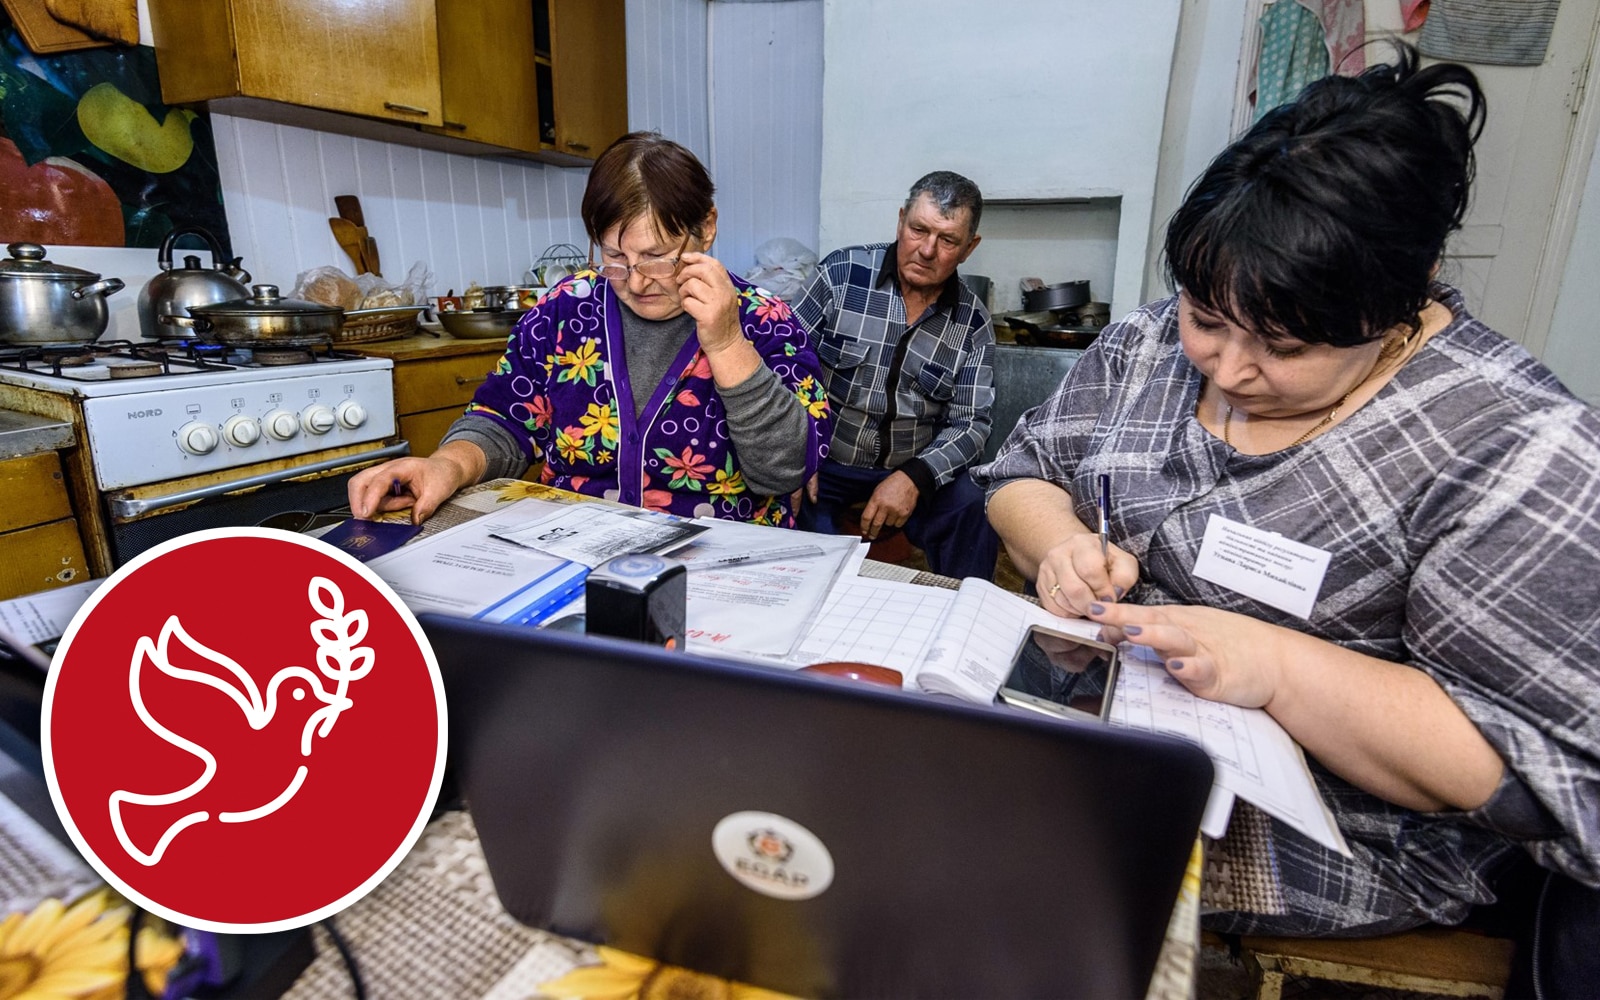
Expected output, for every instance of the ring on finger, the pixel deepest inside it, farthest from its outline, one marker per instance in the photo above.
(1054, 590)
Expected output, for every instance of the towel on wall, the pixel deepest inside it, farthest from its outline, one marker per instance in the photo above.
(1500, 32)
(1293, 54)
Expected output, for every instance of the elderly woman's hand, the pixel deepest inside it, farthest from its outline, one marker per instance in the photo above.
(1219, 655)
(1073, 574)
(421, 484)
(708, 295)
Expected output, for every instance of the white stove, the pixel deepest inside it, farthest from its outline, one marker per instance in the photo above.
(153, 413)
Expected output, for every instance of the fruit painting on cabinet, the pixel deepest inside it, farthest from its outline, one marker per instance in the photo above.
(90, 156)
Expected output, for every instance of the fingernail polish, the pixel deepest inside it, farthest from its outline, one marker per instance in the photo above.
(1132, 630)
(1120, 591)
(1097, 609)
(1175, 665)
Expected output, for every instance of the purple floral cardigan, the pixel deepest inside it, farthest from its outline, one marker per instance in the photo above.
(562, 387)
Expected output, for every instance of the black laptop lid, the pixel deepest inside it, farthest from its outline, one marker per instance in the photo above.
(974, 851)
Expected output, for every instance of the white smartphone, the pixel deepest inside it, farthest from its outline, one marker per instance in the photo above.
(1062, 675)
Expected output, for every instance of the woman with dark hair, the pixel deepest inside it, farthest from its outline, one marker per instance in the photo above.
(1339, 497)
(654, 376)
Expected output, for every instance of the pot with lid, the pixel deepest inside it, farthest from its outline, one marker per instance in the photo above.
(176, 289)
(45, 303)
(265, 318)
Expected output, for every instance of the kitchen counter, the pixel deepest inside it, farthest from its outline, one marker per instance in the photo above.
(422, 346)
(25, 434)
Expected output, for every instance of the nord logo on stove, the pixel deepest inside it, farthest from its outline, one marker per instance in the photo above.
(140, 414)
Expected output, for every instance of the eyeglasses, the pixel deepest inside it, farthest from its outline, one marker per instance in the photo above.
(653, 268)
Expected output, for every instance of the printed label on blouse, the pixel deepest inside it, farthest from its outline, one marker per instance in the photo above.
(1261, 565)
(773, 855)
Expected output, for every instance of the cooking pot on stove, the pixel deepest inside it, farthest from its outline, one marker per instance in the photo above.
(265, 318)
(1063, 295)
(175, 289)
(46, 303)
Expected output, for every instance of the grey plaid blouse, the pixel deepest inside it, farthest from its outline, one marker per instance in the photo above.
(944, 381)
(1462, 510)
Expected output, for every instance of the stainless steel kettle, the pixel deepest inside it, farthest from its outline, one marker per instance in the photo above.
(177, 289)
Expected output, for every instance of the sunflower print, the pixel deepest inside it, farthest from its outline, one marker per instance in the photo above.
(624, 976)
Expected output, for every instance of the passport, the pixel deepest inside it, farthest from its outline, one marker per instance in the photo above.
(369, 539)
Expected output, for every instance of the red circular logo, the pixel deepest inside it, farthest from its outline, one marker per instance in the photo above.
(244, 730)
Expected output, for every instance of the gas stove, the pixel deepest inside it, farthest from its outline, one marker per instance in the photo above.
(154, 412)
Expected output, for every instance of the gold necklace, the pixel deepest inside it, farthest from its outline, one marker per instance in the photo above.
(1385, 355)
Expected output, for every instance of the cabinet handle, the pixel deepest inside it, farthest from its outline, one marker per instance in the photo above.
(405, 109)
(463, 380)
(458, 126)
(580, 147)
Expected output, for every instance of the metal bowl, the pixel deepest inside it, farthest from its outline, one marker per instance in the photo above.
(480, 324)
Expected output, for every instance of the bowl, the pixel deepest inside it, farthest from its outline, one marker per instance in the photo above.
(480, 324)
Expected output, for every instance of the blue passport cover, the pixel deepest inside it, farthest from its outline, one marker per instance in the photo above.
(370, 539)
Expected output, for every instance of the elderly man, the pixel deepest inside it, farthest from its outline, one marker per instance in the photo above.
(907, 353)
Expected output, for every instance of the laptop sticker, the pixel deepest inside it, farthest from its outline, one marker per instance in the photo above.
(773, 855)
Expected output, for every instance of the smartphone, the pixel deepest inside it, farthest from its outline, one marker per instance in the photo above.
(1062, 675)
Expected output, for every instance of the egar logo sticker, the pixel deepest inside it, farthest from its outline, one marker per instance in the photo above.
(773, 855)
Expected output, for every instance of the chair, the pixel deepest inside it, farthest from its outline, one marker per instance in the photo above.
(1447, 961)
(891, 545)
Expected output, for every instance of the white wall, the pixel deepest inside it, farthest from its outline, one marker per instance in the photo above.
(1012, 94)
(1573, 349)
(766, 124)
(667, 71)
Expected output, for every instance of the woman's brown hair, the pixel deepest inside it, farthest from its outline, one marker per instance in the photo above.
(645, 174)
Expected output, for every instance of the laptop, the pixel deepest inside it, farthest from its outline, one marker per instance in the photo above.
(816, 836)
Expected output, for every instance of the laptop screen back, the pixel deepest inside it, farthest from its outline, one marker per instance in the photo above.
(964, 850)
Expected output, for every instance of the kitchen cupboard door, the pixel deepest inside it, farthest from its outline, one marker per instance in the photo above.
(487, 74)
(589, 63)
(378, 58)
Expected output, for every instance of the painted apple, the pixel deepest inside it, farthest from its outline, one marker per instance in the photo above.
(123, 127)
(57, 200)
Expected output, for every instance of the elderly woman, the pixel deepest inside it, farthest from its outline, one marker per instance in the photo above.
(1339, 497)
(654, 377)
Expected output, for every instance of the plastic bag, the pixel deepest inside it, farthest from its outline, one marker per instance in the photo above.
(784, 267)
(330, 286)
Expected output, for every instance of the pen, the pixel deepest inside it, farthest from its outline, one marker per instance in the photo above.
(765, 555)
(396, 489)
(1104, 504)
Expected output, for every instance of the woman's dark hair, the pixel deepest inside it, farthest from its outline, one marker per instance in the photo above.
(1324, 222)
(646, 174)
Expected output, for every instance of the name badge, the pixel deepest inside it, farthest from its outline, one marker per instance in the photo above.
(1262, 565)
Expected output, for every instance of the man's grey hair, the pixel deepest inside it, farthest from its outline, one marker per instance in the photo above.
(949, 191)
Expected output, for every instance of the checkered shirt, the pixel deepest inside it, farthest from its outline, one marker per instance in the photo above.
(1461, 506)
(945, 382)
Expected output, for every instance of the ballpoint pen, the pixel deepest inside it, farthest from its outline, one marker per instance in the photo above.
(765, 555)
(1104, 503)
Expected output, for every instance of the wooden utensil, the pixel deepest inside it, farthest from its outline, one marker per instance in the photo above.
(349, 207)
(352, 240)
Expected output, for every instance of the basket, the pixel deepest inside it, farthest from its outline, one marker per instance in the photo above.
(363, 326)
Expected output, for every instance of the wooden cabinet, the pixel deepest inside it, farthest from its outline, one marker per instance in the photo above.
(545, 79)
(434, 379)
(589, 75)
(39, 543)
(377, 58)
(487, 72)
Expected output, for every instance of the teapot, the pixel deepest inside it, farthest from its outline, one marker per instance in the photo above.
(176, 290)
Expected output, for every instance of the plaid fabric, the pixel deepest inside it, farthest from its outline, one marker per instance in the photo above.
(945, 386)
(1462, 510)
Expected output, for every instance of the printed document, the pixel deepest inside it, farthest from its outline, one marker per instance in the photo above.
(591, 534)
(1255, 758)
(30, 625)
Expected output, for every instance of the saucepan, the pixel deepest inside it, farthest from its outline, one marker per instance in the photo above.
(1063, 295)
(264, 318)
(42, 302)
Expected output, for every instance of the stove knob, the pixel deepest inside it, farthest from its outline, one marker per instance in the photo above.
(241, 431)
(280, 425)
(351, 414)
(317, 419)
(197, 438)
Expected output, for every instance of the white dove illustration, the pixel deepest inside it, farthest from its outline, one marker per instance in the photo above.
(340, 659)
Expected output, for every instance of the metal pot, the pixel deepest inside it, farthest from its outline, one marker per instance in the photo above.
(264, 318)
(175, 290)
(480, 324)
(45, 303)
(1063, 295)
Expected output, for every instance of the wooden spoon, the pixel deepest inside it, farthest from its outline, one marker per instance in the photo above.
(352, 240)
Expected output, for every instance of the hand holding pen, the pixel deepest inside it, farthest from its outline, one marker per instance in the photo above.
(1084, 567)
